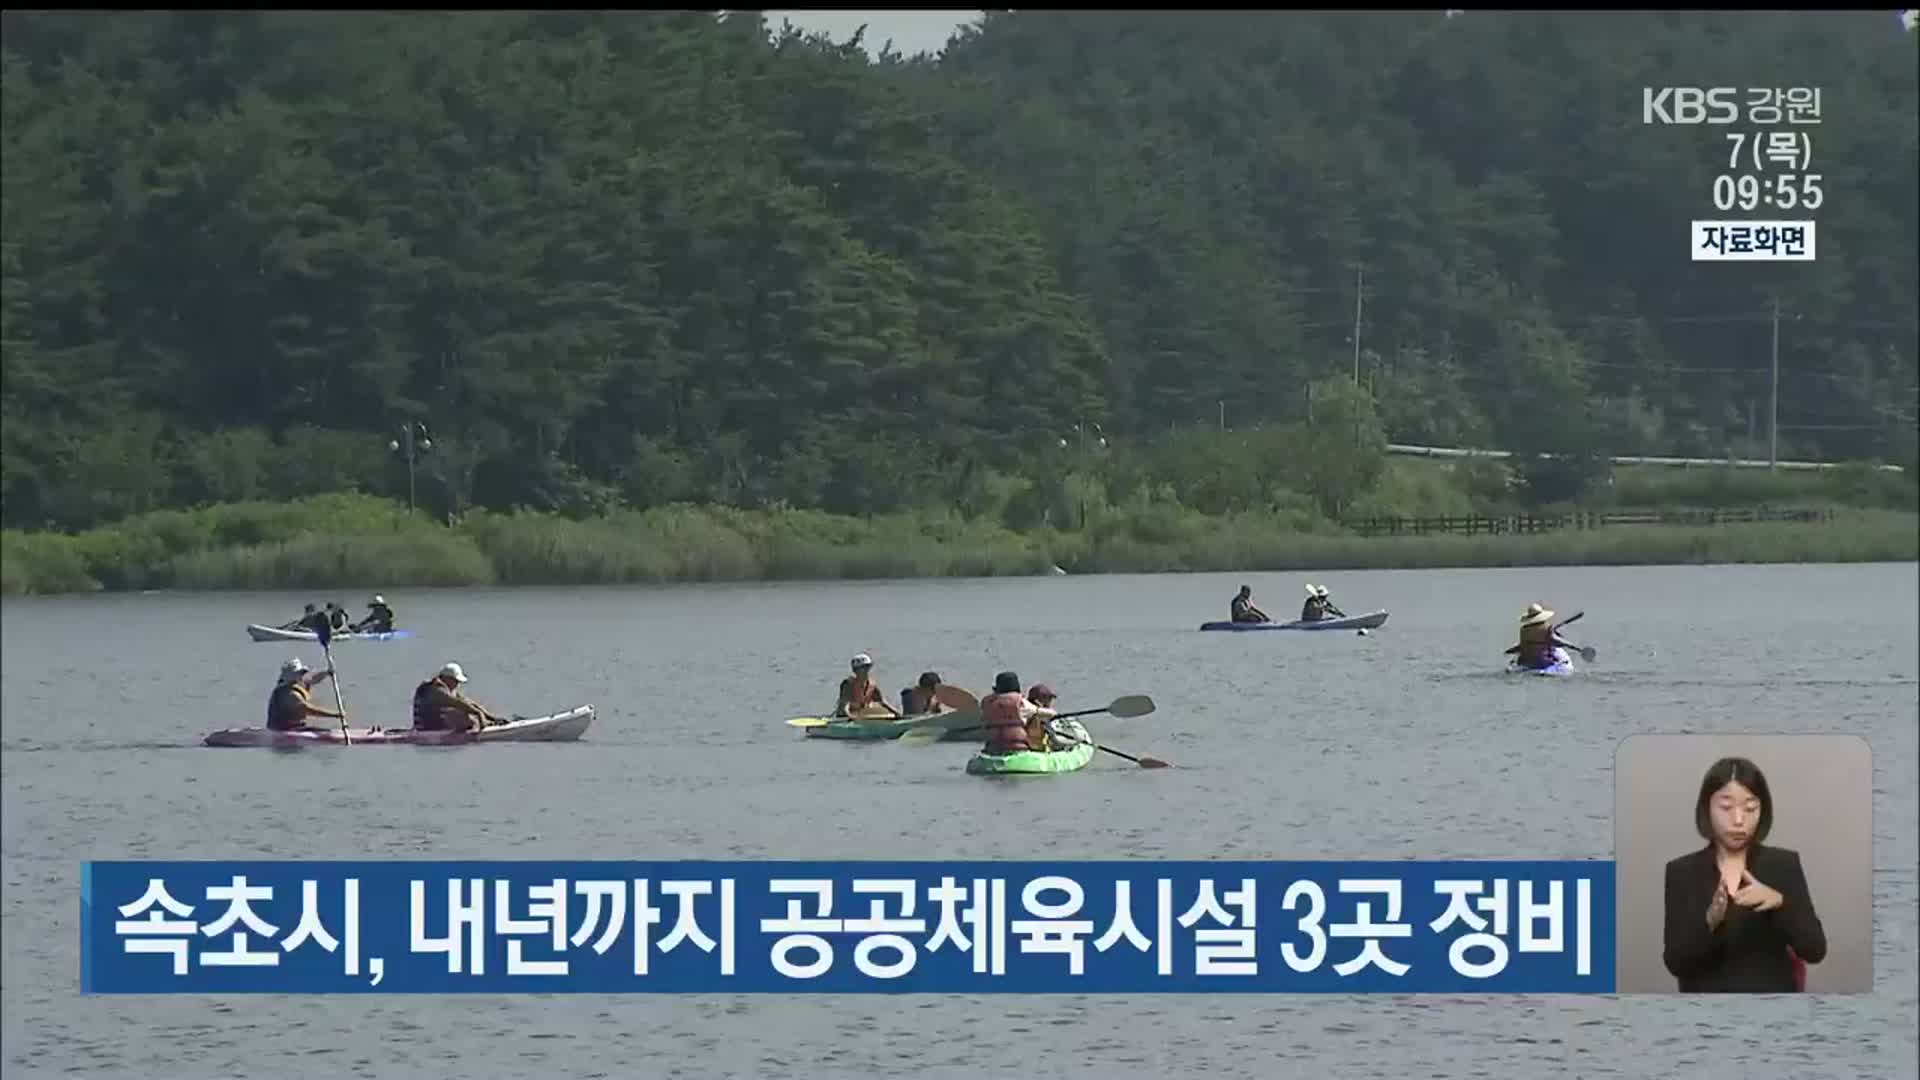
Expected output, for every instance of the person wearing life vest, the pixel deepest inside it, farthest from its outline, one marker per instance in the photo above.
(291, 702)
(337, 617)
(858, 691)
(1538, 638)
(922, 698)
(1039, 733)
(379, 618)
(1242, 609)
(1317, 606)
(1013, 723)
(438, 704)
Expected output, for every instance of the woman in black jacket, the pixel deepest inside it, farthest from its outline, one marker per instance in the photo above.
(1736, 906)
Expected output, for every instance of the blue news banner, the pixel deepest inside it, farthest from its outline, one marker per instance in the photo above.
(847, 927)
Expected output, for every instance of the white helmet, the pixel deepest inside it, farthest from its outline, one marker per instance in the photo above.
(378, 599)
(861, 660)
(293, 669)
(454, 672)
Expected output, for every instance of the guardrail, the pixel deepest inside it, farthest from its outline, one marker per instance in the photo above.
(1521, 524)
(1672, 462)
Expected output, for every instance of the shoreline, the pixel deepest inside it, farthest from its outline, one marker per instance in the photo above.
(373, 544)
(746, 583)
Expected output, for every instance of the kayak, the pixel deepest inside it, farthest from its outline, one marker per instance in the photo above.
(1562, 665)
(891, 727)
(1033, 762)
(1346, 622)
(275, 633)
(558, 727)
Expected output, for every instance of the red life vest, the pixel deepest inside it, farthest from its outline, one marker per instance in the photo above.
(1006, 731)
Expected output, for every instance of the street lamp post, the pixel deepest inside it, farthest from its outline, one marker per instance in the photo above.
(413, 442)
(1081, 456)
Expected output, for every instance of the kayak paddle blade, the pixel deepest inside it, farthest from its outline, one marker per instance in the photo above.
(918, 736)
(955, 698)
(808, 721)
(1131, 705)
(1145, 761)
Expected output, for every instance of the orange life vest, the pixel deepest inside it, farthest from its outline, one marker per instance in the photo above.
(859, 693)
(1006, 731)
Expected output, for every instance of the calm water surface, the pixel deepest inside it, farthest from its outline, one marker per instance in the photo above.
(1401, 744)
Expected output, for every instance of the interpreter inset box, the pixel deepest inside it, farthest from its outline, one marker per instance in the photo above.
(1744, 864)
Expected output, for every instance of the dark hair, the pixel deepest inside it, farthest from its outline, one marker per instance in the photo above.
(1730, 770)
(1006, 683)
(929, 679)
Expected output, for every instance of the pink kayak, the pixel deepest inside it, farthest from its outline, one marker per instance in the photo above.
(559, 727)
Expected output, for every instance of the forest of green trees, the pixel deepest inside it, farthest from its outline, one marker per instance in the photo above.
(631, 259)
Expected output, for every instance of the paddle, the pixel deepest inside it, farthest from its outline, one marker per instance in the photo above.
(1587, 652)
(1123, 707)
(873, 714)
(1126, 707)
(325, 634)
(1143, 760)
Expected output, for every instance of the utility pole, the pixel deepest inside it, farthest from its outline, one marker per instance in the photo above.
(1773, 395)
(1359, 294)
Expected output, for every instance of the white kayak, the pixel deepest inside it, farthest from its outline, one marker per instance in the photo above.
(1562, 665)
(559, 727)
(275, 633)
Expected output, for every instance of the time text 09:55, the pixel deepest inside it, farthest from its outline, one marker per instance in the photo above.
(1785, 191)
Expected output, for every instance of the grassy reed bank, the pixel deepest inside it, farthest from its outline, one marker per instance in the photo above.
(352, 540)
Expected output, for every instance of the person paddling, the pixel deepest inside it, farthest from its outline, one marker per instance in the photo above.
(858, 690)
(291, 702)
(438, 704)
(1538, 639)
(1242, 609)
(379, 618)
(1318, 606)
(1039, 731)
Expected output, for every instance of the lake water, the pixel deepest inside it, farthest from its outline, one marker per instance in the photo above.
(1403, 743)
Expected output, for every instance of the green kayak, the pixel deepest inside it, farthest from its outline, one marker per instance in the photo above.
(1024, 762)
(892, 728)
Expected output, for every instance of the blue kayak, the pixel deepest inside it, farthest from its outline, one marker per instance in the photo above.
(1345, 622)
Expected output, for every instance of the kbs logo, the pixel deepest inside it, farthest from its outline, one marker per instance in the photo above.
(1689, 105)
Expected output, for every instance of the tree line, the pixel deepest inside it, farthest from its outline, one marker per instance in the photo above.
(620, 258)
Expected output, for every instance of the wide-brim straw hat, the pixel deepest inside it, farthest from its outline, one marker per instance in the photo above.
(1535, 615)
